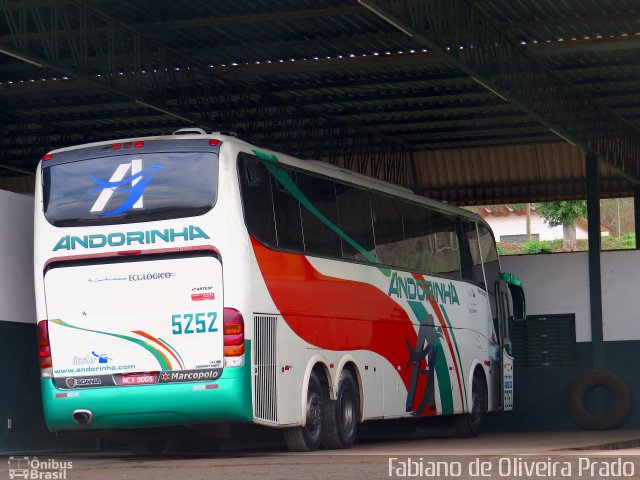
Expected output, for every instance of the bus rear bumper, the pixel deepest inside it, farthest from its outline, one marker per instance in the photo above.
(226, 399)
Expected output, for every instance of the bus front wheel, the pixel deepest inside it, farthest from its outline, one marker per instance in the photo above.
(341, 418)
(308, 438)
(470, 424)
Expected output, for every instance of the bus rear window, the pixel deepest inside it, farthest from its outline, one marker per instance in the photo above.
(129, 188)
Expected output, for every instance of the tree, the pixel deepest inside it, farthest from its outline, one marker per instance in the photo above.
(564, 213)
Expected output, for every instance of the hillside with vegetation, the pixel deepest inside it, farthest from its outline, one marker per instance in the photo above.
(625, 242)
(616, 213)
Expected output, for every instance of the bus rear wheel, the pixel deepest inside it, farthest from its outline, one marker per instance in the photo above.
(308, 438)
(341, 418)
(469, 424)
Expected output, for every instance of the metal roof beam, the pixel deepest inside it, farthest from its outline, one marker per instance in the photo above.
(146, 71)
(333, 64)
(588, 20)
(450, 80)
(222, 20)
(608, 44)
(328, 46)
(458, 29)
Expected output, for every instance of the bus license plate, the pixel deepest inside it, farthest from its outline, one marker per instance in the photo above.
(138, 379)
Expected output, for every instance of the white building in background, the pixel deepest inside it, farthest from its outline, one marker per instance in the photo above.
(510, 225)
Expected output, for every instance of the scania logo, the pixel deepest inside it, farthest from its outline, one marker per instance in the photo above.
(82, 382)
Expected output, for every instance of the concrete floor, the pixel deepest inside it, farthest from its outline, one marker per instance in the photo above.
(368, 460)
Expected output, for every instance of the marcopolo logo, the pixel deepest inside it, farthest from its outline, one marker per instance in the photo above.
(189, 375)
(119, 239)
(132, 185)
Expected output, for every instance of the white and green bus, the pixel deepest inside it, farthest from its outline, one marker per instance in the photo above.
(195, 279)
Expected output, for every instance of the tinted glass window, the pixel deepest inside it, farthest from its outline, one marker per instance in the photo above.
(388, 230)
(257, 202)
(490, 258)
(418, 248)
(129, 188)
(319, 237)
(354, 213)
(445, 243)
(394, 231)
(287, 214)
(473, 270)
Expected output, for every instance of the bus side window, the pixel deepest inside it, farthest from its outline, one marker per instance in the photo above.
(469, 238)
(319, 238)
(257, 200)
(466, 264)
(419, 253)
(388, 230)
(490, 260)
(287, 215)
(447, 248)
(354, 213)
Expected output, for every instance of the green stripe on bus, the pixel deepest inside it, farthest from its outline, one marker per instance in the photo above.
(287, 182)
(172, 349)
(455, 344)
(441, 367)
(160, 357)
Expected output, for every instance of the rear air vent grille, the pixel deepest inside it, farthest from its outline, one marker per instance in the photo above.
(265, 406)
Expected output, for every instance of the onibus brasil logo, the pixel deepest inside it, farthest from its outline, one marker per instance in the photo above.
(134, 185)
(33, 468)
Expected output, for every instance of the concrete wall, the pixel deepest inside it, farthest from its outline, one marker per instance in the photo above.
(559, 283)
(22, 427)
(16, 258)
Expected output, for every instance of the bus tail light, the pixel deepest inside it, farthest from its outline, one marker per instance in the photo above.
(233, 338)
(44, 350)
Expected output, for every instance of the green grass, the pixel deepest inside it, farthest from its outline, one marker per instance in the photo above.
(625, 242)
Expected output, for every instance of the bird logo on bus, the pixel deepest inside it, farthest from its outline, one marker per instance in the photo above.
(133, 185)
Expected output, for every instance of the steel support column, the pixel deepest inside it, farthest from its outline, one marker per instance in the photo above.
(595, 279)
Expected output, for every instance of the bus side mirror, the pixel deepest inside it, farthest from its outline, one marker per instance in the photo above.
(518, 302)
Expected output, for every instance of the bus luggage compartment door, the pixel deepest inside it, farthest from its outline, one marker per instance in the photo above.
(135, 320)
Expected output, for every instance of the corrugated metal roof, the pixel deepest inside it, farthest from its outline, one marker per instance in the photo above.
(509, 174)
(335, 59)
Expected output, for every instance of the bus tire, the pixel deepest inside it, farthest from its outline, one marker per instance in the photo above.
(308, 438)
(469, 424)
(620, 400)
(342, 415)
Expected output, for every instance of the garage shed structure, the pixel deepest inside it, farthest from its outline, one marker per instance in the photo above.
(466, 101)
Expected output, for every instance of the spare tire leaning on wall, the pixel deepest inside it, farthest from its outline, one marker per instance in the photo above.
(608, 419)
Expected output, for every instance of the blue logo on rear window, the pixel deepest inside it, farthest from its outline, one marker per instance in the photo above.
(134, 185)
